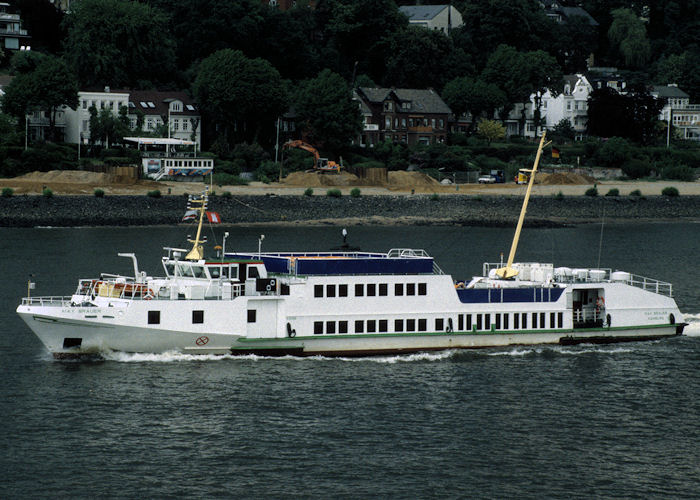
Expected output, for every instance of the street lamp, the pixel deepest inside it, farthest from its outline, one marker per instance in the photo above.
(223, 250)
(260, 240)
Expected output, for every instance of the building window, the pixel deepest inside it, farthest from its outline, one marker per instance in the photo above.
(318, 291)
(176, 125)
(153, 317)
(197, 316)
(342, 290)
(330, 326)
(359, 326)
(387, 122)
(403, 122)
(84, 103)
(398, 289)
(388, 106)
(318, 327)
(252, 313)
(359, 290)
(342, 327)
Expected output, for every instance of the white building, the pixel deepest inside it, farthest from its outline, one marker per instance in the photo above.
(677, 108)
(571, 104)
(77, 122)
(437, 17)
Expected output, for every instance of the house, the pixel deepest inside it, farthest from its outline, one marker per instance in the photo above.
(411, 116)
(562, 14)
(436, 17)
(12, 36)
(603, 76)
(151, 109)
(76, 123)
(571, 104)
(678, 110)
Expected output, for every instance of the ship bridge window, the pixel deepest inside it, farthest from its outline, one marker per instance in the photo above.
(169, 269)
(185, 270)
(198, 271)
(214, 271)
(224, 272)
(234, 272)
(253, 272)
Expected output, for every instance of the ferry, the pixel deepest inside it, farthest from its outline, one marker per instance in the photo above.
(346, 303)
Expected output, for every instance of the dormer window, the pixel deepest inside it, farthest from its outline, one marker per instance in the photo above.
(176, 106)
(406, 105)
(388, 106)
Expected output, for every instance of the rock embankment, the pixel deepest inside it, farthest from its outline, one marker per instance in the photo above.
(69, 211)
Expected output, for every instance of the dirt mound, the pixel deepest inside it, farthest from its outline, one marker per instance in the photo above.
(73, 176)
(313, 179)
(568, 178)
(402, 178)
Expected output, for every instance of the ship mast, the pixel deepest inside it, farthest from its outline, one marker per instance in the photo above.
(197, 252)
(508, 271)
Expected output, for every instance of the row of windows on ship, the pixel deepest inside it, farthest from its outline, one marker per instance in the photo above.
(371, 289)
(465, 322)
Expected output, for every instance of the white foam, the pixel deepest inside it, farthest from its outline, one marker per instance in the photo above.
(693, 328)
(566, 351)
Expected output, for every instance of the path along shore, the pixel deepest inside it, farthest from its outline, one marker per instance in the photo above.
(388, 209)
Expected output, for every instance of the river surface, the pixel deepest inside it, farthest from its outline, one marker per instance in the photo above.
(620, 421)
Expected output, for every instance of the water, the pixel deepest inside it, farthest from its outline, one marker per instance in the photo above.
(553, 422)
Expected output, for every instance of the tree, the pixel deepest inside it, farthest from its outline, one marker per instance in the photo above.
(47, 87)
(632, 116)
(491, 130)
(239, 96)
(119, 43)
(43, 21)
(628, 34)
(476, 97)
(326, 111)
(106, 128)
(564, 129)
(418, 58)
(574, 42)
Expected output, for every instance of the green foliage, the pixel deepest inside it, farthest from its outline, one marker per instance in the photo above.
(369, 164)
(670, 191)
(636, 168)
(46, 156)
(491, 130)
(224, 179)
(7, 192)
(106, 128)
(47, 87)
(636, 193)
(268, 171)
(434, 197)
(629, 35)
(308, 192)
(334, 193)
(464, 95)
(591, 192)
(326, 111)
(678, 172)
(226, 194)
(47, 193)
(633, 116)
(614, 153)
(153, 194)
(117, 43)
(99, 193)
(394, 156)
(233, 89)
(564, 129)
(613, 192)
(559, 196)
(355, 192)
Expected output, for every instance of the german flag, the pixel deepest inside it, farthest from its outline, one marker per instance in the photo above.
(555, 153)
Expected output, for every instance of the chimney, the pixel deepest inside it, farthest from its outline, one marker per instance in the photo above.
(106, 89)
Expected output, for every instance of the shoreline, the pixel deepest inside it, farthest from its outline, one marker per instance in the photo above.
(295, 210)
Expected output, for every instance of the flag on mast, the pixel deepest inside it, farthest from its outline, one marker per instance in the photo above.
(214, 217)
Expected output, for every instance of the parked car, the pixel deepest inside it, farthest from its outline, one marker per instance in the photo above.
(487, 179)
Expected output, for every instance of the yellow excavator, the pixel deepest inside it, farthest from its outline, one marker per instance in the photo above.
(320, 164)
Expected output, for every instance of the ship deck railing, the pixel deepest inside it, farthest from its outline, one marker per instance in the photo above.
(605, 276)
(47, 301)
